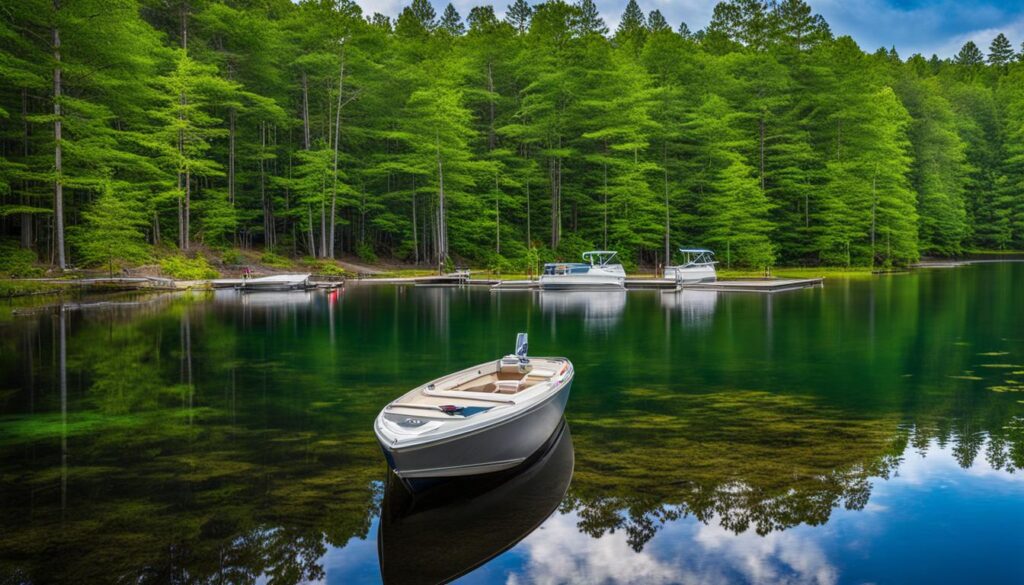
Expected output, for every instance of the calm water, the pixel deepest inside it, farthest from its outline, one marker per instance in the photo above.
(870, 431)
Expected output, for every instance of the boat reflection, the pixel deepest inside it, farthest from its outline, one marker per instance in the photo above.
(264, 298)
(599, 309)
(694, 307)
(446, 532)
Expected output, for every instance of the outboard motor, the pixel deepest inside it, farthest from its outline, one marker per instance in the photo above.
(521, 346)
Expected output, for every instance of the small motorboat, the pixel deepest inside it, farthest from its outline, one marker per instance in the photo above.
(596, 271)
(698, 266)
(278, 282)
(487, 418)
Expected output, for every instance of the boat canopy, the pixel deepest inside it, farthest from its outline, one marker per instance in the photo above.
(599, 257)
(698, 257)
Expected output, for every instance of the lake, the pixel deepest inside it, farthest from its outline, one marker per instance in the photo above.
(868, 431)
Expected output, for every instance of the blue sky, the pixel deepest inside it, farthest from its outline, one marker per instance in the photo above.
(913, 26)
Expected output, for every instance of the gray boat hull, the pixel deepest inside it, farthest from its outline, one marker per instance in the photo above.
(496, 447)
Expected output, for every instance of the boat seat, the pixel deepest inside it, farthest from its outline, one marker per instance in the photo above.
(507, 386)
(509, 366)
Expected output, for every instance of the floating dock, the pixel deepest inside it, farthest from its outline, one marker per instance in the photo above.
(762, 285)
(767, 285)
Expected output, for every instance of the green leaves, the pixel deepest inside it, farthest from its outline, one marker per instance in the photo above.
(763, 135)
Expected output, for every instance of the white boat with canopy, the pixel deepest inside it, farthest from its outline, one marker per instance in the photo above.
(698, 266)
(596, 271)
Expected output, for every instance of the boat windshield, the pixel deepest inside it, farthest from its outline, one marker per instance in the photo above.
(566, 268)
(697, 257)
(599, 257)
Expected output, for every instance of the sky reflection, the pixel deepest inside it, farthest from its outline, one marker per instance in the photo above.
(965, 521)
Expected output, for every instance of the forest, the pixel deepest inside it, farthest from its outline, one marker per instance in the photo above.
(138, 129)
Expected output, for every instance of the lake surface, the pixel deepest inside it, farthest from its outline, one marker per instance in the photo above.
(868, 431)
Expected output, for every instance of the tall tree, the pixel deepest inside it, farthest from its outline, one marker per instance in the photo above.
(518, 15)
(1000, 52)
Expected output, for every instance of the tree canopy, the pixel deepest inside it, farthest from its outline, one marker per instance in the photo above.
(314, 129)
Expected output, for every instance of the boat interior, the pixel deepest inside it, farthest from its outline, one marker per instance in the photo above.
(495, 382)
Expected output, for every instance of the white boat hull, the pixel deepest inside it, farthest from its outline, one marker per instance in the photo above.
(691, 274)
(501, 444)
(591, 280)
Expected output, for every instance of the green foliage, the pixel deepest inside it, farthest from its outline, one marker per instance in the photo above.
(274, 260)
(184, 268)
(325, 267)
(310, 127)
(112, 232)
(17, 262)
(365, 253)
(231, 256)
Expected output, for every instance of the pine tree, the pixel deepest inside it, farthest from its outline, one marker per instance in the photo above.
(588, 19)
(1011, 195)
(451, 22)
(112, 231)
(939, 170)
(1000, 52)
(747, 22)
(656, 22)
(869, 210)
(799, 29)
(188, 126)
(518, 15)
(969, 55)
(734, 210)
(632, 30)
(424, 14)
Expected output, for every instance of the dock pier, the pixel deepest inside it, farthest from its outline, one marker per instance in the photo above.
(760, 285)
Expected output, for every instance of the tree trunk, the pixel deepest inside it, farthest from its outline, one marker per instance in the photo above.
(305, 111)
(188, 205)
(761, 125)
(337, 140)
(58, 155)
(312, 244)
(323, 220)
(529, 239)
(497, 216)
(26, 218)
(231, 156)
(553, 169)
(604, 166)
(415, 236)
(491, 137)
(442, 224)
(268, 240)
(668, 214)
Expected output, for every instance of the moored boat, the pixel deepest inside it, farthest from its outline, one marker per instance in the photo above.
(698, 266)
(277, 282)
(487, 418)
(596, 271)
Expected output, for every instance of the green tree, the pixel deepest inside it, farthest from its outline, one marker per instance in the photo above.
(969, 55)
(734, 210)
(518, 15)
(1000, 52)
(112, 231)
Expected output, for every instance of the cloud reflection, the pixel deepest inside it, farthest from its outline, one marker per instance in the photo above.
(686, 552)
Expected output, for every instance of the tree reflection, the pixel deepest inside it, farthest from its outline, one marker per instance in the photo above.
(213, 442)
